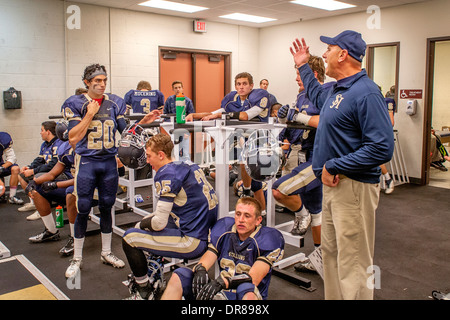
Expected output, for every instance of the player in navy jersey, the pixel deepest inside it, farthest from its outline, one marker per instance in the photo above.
(244, 104)
(50, 188)
(169, 105)
(299, 189)
(245, 252)
(94, 118)
(44, 162)
(170, 108)
(7, 162)
(185, 212)
(144, 99)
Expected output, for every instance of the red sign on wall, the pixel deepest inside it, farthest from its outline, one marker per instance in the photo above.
(199, 26)
(411, 94)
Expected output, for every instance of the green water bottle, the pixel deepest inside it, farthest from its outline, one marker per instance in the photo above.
(180, 103)
(59, 217)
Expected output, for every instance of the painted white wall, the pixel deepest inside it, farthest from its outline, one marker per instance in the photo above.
(410, 25)
(45, 60)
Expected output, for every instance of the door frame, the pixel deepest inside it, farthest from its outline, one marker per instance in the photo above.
(193, 52)
(370, 62)
(428, 107)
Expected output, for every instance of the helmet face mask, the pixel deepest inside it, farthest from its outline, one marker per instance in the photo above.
(131, 150)
(262, 155)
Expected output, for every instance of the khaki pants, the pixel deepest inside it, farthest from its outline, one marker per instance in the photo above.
(348, 236)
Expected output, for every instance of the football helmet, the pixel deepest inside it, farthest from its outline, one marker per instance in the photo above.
(262, 155)
(131, 150)
(62, 131)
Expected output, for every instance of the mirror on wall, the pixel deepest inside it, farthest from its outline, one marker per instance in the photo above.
(382, 65)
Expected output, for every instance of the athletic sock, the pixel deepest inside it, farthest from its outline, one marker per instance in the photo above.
(12, 191)
(72, 229)
(302, 212)
(106, 243)
(78, 248)
(49, 223)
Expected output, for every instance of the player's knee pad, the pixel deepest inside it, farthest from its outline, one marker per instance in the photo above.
(316, 219)
(84, 205)
(245, 288)
(185, 275)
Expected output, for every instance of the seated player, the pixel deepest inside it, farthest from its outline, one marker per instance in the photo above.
(144, 99)
(245, 103)
(7, 162)
(179, 227)
(245, 252)
(170, 108)
(51, 188)
(48, 157)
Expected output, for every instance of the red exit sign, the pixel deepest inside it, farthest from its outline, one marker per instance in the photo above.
(199, 26)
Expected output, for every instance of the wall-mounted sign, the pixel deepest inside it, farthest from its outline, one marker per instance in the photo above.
(411, 94)
(199, 26)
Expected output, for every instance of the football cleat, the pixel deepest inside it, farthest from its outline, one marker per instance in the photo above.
(112, 260)
(67, 250)
(305, 266)
(45, 236)
(301, 225)
(389, 186)
(15, 200)
(26, 207)
(74, 268)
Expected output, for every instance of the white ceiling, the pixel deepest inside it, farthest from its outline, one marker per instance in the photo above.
(282, 10)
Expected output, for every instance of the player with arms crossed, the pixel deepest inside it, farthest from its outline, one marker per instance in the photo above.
(245, 251)
(179, 227)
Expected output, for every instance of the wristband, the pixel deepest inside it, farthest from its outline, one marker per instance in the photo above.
(302, 118)
(236, 281)
(234, 115)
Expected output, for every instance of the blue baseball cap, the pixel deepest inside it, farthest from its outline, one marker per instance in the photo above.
(348, 40)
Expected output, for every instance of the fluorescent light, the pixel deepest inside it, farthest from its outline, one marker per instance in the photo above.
(175, 6)
(329, 5)
(246, 17)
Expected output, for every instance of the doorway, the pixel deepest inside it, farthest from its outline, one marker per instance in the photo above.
(437, 113)
(206, 77)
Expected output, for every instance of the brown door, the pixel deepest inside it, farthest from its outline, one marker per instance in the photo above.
(209, 82)
(175, 66)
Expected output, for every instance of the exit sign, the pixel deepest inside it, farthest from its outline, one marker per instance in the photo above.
(199, 26)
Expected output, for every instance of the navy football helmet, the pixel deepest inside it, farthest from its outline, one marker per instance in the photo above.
(262, 155)
(62, 131)
(131, 150)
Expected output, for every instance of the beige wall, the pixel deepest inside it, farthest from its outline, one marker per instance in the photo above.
(410, 25)
(45, 60)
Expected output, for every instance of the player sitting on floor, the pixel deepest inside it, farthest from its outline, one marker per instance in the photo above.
(245, 251)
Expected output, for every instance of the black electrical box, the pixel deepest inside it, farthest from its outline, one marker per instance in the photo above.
(12, 99)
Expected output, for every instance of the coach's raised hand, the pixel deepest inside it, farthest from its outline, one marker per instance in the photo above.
(300, 52)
